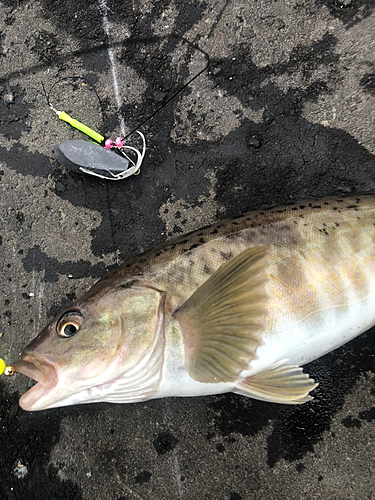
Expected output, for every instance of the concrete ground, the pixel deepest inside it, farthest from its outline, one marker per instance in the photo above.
(285, 112)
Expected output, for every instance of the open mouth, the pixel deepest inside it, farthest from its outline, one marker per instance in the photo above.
(43, 372)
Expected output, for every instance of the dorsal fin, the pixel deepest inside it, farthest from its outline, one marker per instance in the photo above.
(222, 321)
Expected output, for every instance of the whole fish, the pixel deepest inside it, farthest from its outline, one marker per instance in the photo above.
(239, 306)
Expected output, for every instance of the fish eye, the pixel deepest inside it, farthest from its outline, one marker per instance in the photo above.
(69, 324)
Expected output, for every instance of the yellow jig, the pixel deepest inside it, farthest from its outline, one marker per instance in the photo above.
(8, 370)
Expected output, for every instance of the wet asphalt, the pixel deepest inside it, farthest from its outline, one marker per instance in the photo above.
(285, 111)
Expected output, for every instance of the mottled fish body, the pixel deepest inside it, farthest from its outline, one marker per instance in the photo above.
(238, 306)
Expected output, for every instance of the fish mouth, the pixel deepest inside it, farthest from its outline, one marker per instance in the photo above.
(43, 371)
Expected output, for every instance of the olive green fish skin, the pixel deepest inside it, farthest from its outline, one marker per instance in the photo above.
(333, 225)
(320, 289)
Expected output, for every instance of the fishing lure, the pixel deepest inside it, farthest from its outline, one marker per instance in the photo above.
(116, 160)
(8, 370)
(111, 162)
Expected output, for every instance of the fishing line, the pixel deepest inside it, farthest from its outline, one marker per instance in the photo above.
(64, 116)
(152, 114)
(178, 91)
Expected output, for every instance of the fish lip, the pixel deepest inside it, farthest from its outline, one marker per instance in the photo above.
(40, 369)
(43, 371)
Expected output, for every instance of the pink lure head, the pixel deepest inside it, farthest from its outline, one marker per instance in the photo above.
(108, 144)
(119, 142)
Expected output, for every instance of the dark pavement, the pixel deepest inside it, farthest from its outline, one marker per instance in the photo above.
(285, 112)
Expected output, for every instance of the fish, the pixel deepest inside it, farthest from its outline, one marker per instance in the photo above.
(239, 306)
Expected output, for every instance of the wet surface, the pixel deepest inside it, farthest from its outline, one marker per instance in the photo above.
(285, 112)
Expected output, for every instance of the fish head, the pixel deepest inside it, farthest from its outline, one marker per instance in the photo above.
(94, 342)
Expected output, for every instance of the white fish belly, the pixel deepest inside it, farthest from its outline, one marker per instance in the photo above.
(302, 338)
(303, 343)
(176, 380)
(182, 385)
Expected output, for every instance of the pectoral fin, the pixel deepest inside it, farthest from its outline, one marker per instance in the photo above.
(223, 320)
(281, 383)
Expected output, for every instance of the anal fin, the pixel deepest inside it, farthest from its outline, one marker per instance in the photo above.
(281, 383)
